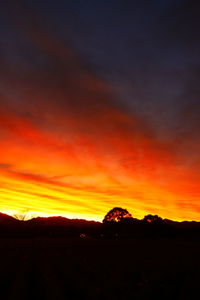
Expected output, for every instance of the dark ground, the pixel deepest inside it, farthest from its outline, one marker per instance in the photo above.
(75, 268)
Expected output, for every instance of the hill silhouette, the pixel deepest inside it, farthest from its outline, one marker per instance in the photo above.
(50, 226)
(60, 258)
(61, 226)
(6, 219)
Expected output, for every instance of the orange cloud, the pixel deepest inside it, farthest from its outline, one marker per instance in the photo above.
(45, 173)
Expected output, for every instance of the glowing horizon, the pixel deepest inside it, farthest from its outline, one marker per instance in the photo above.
(149, 186)
(70, 164)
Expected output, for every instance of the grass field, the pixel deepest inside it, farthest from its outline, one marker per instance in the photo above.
(100, 268)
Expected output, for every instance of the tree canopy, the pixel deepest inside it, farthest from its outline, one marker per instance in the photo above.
(154, 219)
(117, 214)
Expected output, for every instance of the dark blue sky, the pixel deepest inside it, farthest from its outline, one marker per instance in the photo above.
(146, 51)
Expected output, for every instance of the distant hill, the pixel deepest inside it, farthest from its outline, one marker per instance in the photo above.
(63, 227)
(6, 219)
(61, 221)
(183, 224)
(50, 226)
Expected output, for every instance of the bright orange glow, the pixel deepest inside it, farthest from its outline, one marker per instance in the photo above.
(46, 173)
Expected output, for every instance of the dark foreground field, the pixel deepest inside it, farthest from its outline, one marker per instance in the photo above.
(75, 268)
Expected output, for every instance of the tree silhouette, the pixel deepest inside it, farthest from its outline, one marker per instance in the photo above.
(153, 219)
(23, 216)
(117, 214)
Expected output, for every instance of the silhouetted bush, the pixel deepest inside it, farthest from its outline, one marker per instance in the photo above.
(117, 214)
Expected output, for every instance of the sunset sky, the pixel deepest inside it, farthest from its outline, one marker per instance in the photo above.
(100, 107)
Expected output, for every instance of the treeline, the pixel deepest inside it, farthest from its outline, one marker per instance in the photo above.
(150, 226)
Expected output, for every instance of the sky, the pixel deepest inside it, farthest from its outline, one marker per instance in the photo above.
(99, 107)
